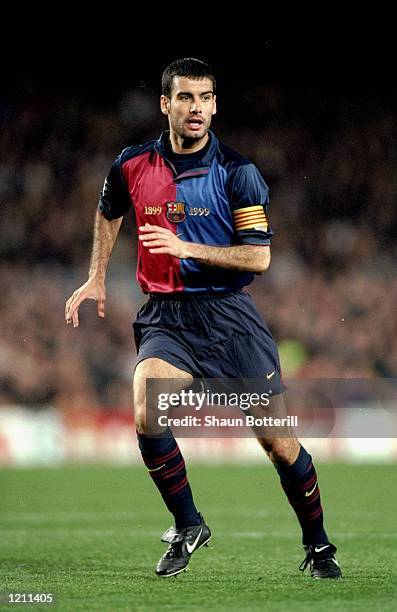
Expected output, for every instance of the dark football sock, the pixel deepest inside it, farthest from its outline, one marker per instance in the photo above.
(299, 482)
(166, 466)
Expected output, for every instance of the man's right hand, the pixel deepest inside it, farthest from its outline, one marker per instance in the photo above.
(93, 289)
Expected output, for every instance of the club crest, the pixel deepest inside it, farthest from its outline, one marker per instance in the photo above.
(176, 212)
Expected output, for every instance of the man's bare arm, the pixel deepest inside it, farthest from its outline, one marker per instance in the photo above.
(243, 258)
(105, 234)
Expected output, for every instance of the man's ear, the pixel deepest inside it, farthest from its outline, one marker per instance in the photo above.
(165, 105)
(214, 109)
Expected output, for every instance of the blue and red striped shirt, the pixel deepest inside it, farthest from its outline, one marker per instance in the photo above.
(222, 201)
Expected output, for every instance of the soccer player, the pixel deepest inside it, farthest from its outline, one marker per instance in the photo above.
(201, 212)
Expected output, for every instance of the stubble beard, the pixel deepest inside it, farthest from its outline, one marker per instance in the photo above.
(190, 139)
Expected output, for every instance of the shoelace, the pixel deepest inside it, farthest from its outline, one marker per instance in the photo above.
(306, 561)
(319, 562)
(173, 551)
(176, 549)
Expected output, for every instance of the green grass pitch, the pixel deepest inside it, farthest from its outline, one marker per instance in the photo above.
(90, 535)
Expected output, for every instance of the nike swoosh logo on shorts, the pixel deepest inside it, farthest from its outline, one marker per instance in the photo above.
(269, 376)
(190, 547)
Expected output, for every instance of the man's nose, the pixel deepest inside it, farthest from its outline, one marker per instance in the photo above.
(196, 106)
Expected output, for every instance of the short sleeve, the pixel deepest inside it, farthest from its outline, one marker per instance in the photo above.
(114, 199)
(249, 197)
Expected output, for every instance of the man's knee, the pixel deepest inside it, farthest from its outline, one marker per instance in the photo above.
(145, 397)
(142, 372)
(282, 450)
(139, 403)
(140, 420)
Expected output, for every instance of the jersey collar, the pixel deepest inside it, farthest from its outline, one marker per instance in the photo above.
(203, 165)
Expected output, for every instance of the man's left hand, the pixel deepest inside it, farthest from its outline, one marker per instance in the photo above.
(162, 240)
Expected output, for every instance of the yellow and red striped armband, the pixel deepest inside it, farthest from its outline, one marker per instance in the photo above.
(250, 217)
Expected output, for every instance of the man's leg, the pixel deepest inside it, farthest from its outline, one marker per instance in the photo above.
(299, 481)
(166, 466)
(161, 453)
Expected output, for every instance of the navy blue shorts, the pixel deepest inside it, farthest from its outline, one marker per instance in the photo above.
(208, 336)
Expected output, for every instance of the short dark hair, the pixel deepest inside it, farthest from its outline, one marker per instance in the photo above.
(186, 67)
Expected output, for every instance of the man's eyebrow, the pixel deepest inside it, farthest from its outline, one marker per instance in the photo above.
(189, 93)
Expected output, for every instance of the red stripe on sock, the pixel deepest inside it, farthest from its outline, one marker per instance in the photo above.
(307, 501)
(313, 515)
(164, 474)
(174, 470)
(308, 484)
(178, 487)
(166, 457)
(312, 498)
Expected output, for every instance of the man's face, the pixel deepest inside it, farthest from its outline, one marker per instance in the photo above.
(190, 107)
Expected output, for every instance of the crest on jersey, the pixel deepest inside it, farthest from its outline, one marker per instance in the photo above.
(176, 212)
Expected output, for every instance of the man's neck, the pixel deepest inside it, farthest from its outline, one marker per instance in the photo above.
(187, 145)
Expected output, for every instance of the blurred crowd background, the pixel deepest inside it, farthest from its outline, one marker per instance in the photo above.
(329, 296)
